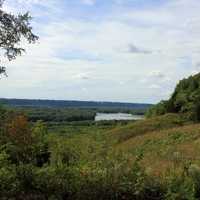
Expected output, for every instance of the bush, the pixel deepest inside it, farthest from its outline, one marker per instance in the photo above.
(180, 188)
(8, 181)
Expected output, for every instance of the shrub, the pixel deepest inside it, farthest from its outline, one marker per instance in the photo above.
(179, 187)
(8, 181)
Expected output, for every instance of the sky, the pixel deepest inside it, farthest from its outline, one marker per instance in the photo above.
(105, 50)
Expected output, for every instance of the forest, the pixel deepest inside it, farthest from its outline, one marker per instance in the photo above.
(73, 104)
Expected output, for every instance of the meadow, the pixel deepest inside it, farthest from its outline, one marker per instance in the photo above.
(156, 158)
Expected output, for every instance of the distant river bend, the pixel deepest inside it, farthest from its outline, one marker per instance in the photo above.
(117, 116)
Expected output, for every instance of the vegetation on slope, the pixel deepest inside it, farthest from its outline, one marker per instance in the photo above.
(185, 100)
(158, 160)
(163, 149)
(142, 127)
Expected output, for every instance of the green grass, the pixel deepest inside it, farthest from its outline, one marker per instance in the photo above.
(85, 127)
(158, 139)
(166, 142)
(142, 127)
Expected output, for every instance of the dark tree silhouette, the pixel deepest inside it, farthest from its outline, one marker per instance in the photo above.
(14, 28)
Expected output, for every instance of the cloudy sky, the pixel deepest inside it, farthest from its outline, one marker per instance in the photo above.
(107, 50)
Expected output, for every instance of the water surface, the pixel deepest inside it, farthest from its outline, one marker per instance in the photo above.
(117, 116)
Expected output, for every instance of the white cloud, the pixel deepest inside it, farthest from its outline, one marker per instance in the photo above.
(137, 50)
(156, 74)
(154, 86)
(89, 2)
(31, 1)
(82, 76)
(71, 50)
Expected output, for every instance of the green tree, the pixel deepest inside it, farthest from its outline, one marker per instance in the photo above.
(40, 143)
(185, 100)
(14, 28)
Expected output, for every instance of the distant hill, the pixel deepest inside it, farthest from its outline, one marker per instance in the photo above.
(71, 104)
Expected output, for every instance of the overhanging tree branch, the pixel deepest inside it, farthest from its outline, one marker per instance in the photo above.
(14, 28)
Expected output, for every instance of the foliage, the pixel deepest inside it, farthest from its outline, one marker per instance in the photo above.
(12, 30)
(151, 160)
(19, 139)
(159, 109)
(185, 100)
(58, 115)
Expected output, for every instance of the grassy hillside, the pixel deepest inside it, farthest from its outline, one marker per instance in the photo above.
(164, 142)
(145, 126)
(165, 149)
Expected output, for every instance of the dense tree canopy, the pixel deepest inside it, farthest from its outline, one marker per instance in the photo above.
(185, 99)
(12, 29)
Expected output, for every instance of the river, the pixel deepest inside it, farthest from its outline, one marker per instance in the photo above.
(117, 116)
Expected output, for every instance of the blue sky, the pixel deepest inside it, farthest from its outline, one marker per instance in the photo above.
(105, 50)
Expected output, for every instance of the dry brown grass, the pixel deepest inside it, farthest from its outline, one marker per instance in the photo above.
(165, 148)
(145, 126)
